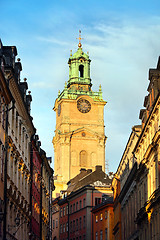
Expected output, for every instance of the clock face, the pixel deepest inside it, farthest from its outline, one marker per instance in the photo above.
(83, 105)
(59, 109)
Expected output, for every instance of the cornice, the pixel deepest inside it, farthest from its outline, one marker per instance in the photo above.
(19, 103)
(154, 109)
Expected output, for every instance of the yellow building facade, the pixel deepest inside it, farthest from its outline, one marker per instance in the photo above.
(79, 140)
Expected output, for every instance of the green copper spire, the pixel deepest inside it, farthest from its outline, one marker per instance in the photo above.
(79, 69)
(79, 82)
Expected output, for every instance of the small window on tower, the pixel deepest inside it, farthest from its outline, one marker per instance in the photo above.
(81, 70)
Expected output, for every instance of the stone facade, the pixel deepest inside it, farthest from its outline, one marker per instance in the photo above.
(20, 131)
(139, 172)
(5, 99)
(148, 159)
(16, 162)
(46, 201)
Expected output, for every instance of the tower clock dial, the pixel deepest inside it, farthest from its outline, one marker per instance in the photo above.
(83, 105)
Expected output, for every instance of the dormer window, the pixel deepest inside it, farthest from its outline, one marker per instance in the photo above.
(81, 71)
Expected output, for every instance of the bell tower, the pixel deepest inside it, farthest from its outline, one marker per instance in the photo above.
(79, 140)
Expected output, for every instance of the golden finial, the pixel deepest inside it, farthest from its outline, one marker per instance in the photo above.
(71, 53)
(79, 44)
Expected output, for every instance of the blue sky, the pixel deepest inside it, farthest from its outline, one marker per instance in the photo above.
(122, 38)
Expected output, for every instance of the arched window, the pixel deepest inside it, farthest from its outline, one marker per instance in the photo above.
(81, 70)
(83, 158)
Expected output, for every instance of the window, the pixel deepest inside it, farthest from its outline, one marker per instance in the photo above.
(106, 233)
(81, 68)
(84, 202)
(53, 224)
(3, 117)
(101, 235)
(67, 210)
(80, 223)
(96, 218)
(97, 201)
(67, 227)
(83, 158)
(84, 237)
(105, 214)
(96, 235)
(56, 222)
(84, 221)
(63, 211)
(71, 209)
(76, 206)
(61, 228)
(64, 228)
(2, 161)
(76, 224)
(101, 216)
(80, 204)
(73, 225)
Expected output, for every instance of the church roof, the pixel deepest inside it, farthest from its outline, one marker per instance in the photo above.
(87, 177)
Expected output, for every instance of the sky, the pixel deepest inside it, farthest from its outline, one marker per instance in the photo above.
(123, 40)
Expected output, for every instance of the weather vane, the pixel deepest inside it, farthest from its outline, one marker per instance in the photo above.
(79, 44)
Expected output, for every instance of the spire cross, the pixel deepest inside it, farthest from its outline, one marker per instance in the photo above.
(80, 44)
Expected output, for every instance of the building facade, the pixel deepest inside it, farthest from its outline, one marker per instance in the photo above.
(126, 172)
(139, 173)
(103, 219)
(26, 178)
(83, 193)
(116, 209)
(79, 140)
(148, 159)
(55, 219)
(36, 190)
(47, 186)
(17, 152)
(5, 99)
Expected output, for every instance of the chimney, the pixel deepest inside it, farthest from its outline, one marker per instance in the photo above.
(98, 168)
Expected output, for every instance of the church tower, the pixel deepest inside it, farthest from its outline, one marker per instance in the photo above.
(79, 140)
